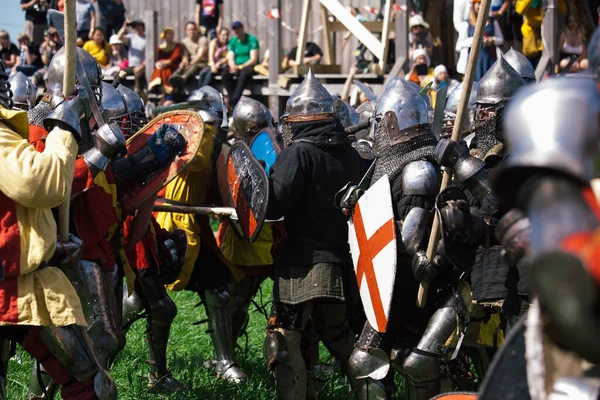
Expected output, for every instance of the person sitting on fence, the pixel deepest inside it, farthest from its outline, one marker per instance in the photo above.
(29, 60)
(98, 47)
(194, 59)
(242, 56)
(169, 55)
(217, 58)
(571, 44)
(136, 54)
(118, 57)
(312, 55)
(9, 52)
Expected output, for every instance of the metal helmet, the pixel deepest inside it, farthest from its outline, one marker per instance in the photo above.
(5, 92)
(499, 83)
(56, 71)
(452, 107)
(23, 91)
(113, 107)
(250, 117)
(552, 125)
(521, 64)
(404, 99)
(209, 104)
(310, 101)
(593, 53)
(366, 111)
(135, 109)
(345, 113)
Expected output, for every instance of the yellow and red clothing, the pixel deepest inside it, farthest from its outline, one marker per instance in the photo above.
(143, 257)
(31, 183)
(161, 76)
(192, 187)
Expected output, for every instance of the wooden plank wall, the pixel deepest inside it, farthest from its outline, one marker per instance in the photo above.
(253, 13)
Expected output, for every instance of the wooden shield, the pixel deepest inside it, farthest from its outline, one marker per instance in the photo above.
(249, 189)
(372, 239)
(265, 147)
(191, 127)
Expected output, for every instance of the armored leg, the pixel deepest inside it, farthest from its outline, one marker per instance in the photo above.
(68, 355)
(422, 366)
(95, 288)
(132, 309)
(370, 364)
(218, 308)
(241, 293)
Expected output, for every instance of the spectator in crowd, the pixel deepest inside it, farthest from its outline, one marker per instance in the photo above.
(532, 13)
(242, 56)
(460, 18)
(209, 17)
(492, 38)
(36, 12)
(98, 47)
(118, 57)
(8, 51)
(29, 59)
(217, 57)
(86, 19)
(441, 78)
(112, 15)
(169, 55)
(57, 5)
(133, 34)
(419, 37)
(571, 44)
(50, 45)
(312, 55)
(420, 73)
(194, 59)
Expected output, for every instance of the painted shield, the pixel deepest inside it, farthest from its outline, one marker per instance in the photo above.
(249, 189)
(222, 180)
(372, 238)
(190, 126)
(265, 147)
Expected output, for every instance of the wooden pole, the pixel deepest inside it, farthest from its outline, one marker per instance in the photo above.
(303, 32)
(385, 35)
(274, 33)
(327, 46)
(68, 89)
(151, 23)
(456, 130)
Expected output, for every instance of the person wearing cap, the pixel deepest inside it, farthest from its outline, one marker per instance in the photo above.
(118, 57)
(86, 19)
(492, 39)
(169, 55)
(98, 47)
(242, 56)
(420, 73)
(135, 40)
(419, 37)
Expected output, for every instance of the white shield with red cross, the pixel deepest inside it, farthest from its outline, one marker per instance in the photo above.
(372, 238)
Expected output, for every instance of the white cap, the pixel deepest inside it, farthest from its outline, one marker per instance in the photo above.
(417, 20)
(440, 68)
(114, 39)
(420, 52)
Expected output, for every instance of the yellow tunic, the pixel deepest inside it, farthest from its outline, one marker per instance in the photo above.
(532, 25)
(37, 182)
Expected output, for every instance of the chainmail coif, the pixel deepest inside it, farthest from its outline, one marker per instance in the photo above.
(488, 133)
(391, 160)
(38, 114)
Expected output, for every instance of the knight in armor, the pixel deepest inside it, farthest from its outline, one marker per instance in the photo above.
(313, 258)
(206, 270)
(547, 176)
(96, 212)
(43, 312)
(451, 110)
(136, 112)
(24, 92)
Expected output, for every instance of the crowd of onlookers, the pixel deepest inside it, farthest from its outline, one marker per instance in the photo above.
(209, 48)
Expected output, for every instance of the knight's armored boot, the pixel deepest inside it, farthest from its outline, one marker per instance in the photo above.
(241, 293)
(217, 304)
(132, 309)
(283, 354)
(161, 313)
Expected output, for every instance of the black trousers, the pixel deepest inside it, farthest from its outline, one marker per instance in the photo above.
(235, 89)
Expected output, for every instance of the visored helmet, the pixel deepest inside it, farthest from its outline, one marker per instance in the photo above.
(209, 104)
(113, 107)
(135, 110)
(56, 71)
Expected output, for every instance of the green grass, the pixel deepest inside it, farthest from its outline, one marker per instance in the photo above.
(189, 348)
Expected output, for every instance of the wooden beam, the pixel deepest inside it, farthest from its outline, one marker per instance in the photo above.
(375, 26)
(303, 32)
(274, 35)
(151, 22)
(401, 43)
(329, 56)
(354, 26)
(385, 35)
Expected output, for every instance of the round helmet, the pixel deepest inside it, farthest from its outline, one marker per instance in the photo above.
(345, 113)
(23, 91)
(113, 108)
(521, 64)
(309, 102)
(404, 99)
(250, 117)
(499, 84)
(135, 110)
(209, 104)
(56, 71)
(452, 107)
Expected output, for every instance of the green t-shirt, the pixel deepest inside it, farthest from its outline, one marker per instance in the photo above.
(241, 50)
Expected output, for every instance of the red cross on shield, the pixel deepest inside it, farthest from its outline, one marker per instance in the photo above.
(372, 238)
